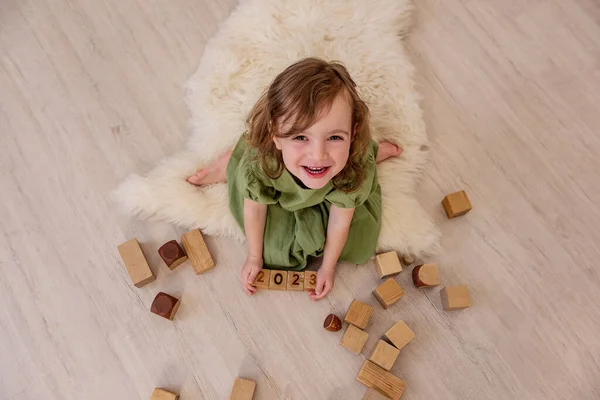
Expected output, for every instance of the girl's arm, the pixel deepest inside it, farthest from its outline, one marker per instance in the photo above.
(338, 227)
(255, 216)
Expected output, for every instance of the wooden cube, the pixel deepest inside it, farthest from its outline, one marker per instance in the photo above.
(310, 280)
(295, 280)
(388, 293)
(456, 204)
(195, 247)
(262, 279)
(172, 254)
(388, 264)
(354, 339)
(384, 355)
(359, 314)
(372, 394)
(165, 305)
(135, 262)
(426, 275)
(455, 297)
(243, 389)
(162, 394)
(399, 334)
(278, 280)
(375, 377)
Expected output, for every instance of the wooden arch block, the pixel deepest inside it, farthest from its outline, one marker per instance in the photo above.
(426, 275)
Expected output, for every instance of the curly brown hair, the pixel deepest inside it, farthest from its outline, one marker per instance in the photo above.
(301, 92)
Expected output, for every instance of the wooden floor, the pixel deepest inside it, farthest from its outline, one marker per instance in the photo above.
(91, 90)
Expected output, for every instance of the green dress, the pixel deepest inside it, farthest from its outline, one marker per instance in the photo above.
(297, 217)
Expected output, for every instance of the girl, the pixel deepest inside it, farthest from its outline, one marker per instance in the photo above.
(303, 178)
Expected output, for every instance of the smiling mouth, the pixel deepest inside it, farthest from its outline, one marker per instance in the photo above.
(316, 171)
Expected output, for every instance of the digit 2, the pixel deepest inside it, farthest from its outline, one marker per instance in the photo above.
(261, 275)
(296, 279)
(278, 279)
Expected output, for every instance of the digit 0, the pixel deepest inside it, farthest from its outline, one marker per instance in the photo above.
(278, 279)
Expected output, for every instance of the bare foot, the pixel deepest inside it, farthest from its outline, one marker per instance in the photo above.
(216, 173)
(387, 150)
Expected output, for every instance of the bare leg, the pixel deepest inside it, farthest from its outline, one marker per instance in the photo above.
(387, 150)
(215, 173)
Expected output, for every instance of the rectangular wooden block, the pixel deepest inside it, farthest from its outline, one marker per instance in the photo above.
(359, 314)
(354, 339)
(384, 355)
(388, 293)
(295, 280)
(135, 262)
(455, 297)
(399, 334)
(278, 280)
(310, 280)
(388, 264)
(372, 394)
(243, 389)
(456, 204)
(375, 377)
(198, 254)
(162, 394)
(262, 280)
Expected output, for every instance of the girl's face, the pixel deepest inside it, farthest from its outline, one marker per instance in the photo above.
(319, 153)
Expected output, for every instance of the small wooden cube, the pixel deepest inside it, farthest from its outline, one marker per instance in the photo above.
(388, 293)
(262, 279)
(195, 247)
(295, 280)
(375, 377)
(456, 204)
(384, 355)
(278, 280)
(165, 305)
(399, 334)
(426, 275)
(243, 389)
(135, 262)
(310, 280)
(455, 297)
(388, 264)
(354, 339)
(172, 254)
(359, 314)
(162, 394)
(372, 394)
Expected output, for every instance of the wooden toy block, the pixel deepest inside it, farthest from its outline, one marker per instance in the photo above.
(456, 204)
(372, 394)
(388, 293)
(354, 339)
(278, 280)
(165, 305)
(359, 314)
(195, 247)
(295, 281)
(399, 335)
(384, 355)
(262, 279)
(172, 254)
(310, 280)
(243, 389)
(426, 275)
(455, 297)
(135, 262)
(162, 394)
(332, 323)
(388, 264)
(375, 377)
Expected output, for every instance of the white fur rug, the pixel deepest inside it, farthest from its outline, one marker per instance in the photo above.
(257, 41)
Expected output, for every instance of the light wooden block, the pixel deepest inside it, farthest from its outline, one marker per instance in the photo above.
(278, 280)
(162, 394)
(388, 264)
(295, 280)
(354, 339)
(243, 389)
(373, 394)
(455, 297)
(198, 254)
(310, 280)
(375, 377)
(135, 262)
(426, 275)
(399, 334)
(456, 204)
(359, 314)
(388, 293)
(384, 355)
(262, 280)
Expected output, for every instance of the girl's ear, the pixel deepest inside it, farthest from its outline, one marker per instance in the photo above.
(277, 141)
(355, 129)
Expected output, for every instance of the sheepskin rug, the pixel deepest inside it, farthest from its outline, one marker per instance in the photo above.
(258, 40)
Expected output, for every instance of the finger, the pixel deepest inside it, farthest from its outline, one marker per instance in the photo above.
(252, 275)
(249, 289)
(325, 291)
(319, 287)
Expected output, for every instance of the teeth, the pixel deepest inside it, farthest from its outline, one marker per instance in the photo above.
(314, 170)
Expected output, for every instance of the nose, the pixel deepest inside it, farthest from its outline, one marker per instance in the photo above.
(320, 150)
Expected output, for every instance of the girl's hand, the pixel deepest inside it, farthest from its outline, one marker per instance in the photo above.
(249, 272)
(325, 278)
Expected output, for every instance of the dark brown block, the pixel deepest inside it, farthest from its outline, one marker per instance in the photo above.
(332, 323)
(165, 305)
(172, 254)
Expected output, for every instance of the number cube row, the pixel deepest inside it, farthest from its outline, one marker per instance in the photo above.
(272, 279)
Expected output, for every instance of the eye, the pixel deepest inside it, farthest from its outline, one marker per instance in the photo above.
(336, 137)
(300, 138)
